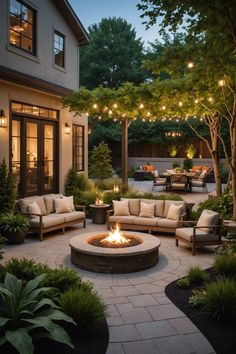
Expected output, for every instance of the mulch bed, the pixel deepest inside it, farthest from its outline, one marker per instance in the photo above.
(221, 334)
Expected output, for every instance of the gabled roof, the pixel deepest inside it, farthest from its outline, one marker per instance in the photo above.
(73, 21)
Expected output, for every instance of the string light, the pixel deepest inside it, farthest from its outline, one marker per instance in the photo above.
(143, 119)
(110, 112)
(190, 65)
(123, 115)
(87, 114)
(163, 107)
(196, 101)
(95, 106)
(180, 104)
(148, 114)
(105, 108)
(99, 117)
(115, 119)
(221, 83)
(210, 99)
(115, 105)
(141, 106)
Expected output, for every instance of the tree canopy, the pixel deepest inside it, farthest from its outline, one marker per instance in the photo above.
(113, 56)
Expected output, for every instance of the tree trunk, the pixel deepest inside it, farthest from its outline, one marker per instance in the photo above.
(124, 152)
(216, 168)
(233, 169)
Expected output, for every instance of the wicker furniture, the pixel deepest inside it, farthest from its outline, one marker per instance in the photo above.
(49, 220)
(159, 222)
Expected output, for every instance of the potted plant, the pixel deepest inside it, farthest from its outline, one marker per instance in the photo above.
(14, 227)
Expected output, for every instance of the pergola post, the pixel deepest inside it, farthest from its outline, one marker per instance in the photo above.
(124, 151)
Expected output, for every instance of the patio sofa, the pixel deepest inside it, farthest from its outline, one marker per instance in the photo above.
(51, 212)
(147, 214)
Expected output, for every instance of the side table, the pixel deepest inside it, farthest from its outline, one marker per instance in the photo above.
(99, 213)
(231, 230)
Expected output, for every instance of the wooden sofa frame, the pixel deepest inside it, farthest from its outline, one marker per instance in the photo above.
(194, 243)
(43, 230)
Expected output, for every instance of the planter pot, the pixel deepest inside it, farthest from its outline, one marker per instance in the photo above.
(14, 237)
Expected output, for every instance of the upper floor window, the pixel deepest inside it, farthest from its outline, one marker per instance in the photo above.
(22, 26)
(59, 49)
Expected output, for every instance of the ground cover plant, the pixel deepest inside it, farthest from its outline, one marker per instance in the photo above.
(55, 290)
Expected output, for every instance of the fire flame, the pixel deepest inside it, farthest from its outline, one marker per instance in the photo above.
(98, 201)
(116, 237)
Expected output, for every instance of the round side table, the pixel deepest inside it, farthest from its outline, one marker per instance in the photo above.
(99, 213)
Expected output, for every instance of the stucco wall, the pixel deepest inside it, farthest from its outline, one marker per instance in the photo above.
(10, 92)
(41, 66)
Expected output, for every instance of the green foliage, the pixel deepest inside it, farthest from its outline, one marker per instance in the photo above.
(220, 298)
(84, 306)
(101, 161)
(188, 164)
(223, 205)
(2, 243)
(196, 275)
(176, 164)
(108, 60)
(190, 151)
(226, 265)
(25, 316)
(14, 222)
(108, 183)
(197, 298)
(227, 248)
(131, 172)
(76, 183)
(183, 283)
(59, 280)
(7, 189)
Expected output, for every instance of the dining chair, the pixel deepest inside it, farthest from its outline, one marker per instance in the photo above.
(179, 181)
(200, 181)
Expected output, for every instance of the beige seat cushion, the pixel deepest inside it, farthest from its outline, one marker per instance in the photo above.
(175, 202)
(145, 221)
(48, 221)
(197, 183)
(72, 216)
(160, 181)
(49, 202)
(134, 205)
(201, 236)
(147, 210)
(121, 208)
(178, 185)
(33, 208)
(175, 211)
(123, 219)
(208, 218)
(159, 206)
(24, 203)
(167, 223)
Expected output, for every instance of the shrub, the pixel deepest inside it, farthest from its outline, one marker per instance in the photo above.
(108, 183)
(197, 298)
(228, 248)
(76, 183)
(183, 283)
(84, 306)
(14, 222)
(25, 316)
(196, 275)
(220, 298)
(2, 243)
(101, 161)
(223, 205)
(131, 172)
(226, 264)
(176, 165)
(188, 164)
(7, 189)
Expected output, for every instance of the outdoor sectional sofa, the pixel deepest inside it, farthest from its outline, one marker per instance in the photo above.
(48, 218)
(157, 222)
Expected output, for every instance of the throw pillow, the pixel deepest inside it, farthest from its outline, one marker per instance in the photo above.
(203, 174)
(147, 210)
(33, 208)
(49, 202)
(155, 174)
(175, 211)
(61, 206)
(121, 208)
(208, 218)
(70, 201)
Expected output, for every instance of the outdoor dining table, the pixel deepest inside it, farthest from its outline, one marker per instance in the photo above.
(188, 174)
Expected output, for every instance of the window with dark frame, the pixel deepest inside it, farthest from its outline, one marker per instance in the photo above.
(78, 147)
(59, 49)
(22, 26)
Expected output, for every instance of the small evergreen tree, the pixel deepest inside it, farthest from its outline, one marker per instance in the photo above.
(76, 183)
(101, 161)
(7, 189)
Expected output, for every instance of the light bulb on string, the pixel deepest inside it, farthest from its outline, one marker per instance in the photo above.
(190, 65)
(221, 83)
(180, 104)
(141, 106)
(95, 106)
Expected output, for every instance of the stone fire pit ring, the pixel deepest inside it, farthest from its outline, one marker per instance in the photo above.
(114, 260)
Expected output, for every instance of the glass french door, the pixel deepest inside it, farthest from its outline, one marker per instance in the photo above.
(34, 156)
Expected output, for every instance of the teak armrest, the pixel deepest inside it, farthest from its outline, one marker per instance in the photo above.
(80, 207)
(188, 222)
(29, 214)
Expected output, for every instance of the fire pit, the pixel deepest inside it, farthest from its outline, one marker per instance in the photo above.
(102, 251)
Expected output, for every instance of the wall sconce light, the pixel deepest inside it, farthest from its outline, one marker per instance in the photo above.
(3, 119)
(67, 128)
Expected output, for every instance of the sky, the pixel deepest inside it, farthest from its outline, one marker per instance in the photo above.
(92, 11)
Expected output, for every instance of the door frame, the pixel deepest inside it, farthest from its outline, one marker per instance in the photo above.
(23, 118)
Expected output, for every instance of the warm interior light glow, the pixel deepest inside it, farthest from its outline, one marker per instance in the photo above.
(116, 237)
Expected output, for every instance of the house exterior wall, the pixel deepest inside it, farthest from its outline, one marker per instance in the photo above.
(41, 66)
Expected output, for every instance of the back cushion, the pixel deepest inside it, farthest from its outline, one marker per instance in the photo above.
(24, 203)
(121, 208)
(175, 202)
(208, 218)
(134, 206)
(49, 202)
(159, 206)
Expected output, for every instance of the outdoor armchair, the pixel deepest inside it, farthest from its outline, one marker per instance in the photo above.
(178, 181)
(200, 182)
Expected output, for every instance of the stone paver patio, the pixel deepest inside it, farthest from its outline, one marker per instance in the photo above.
(141, 319)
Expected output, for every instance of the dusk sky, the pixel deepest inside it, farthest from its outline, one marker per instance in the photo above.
(92, 11)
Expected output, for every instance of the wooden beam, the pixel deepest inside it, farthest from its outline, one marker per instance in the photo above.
(124, 151)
